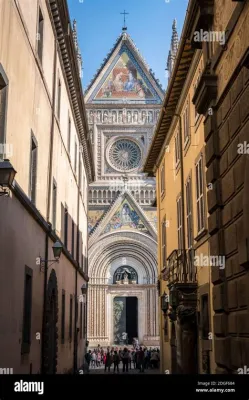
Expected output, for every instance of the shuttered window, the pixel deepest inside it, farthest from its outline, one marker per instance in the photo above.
(33, 170)
(200, 195)
(65, 226)
(75, 157)
(40, 35)
(163, 227)
(179, 223)
(189, 215)
(59, 99)
(69, 135)
(3, 108)
(54, 204)
(177, 148)
(73, 233)
(71, 318)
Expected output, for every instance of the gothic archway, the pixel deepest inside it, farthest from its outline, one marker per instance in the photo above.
(51, 332)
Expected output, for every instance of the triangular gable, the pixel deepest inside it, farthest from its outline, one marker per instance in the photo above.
(125, 78)
(125, 214)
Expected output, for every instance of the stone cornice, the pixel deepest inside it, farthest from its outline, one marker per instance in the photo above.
(60, 19)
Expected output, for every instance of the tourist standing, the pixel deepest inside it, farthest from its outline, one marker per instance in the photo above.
(125, 359)
(116, 360)
(141, 359)
(108, 361)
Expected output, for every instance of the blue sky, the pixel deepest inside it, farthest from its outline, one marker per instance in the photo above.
(149, 23)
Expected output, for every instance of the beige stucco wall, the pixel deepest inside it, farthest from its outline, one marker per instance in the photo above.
(29, 108)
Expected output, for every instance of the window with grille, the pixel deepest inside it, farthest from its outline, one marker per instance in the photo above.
(200, 195)
(177, 149)
(39, 37)
(179, 223)
(33, 169)
(189, 214)
(163, 227)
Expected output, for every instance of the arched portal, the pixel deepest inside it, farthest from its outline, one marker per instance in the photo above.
(123, 265)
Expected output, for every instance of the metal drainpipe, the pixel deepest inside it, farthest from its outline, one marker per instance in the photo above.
(183, 197)
(47, 214)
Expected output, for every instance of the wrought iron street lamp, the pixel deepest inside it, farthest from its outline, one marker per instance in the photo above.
(7, 175)
(57, 249)
(164, 303)
(84, 288)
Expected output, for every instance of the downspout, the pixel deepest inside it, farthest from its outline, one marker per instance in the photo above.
(43, 361)
(183, 198)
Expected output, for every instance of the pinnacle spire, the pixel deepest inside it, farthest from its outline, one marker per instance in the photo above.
(75, 39)
(173, 48)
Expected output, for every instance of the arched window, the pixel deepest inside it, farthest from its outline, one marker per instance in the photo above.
(125, 275)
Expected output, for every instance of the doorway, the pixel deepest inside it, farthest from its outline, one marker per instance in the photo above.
(125, 319)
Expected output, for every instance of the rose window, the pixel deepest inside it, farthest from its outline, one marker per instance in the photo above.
(125, 155)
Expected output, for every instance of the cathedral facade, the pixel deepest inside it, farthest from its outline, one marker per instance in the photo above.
(123, 103)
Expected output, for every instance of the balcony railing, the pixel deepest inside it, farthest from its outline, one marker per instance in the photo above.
(180, 267)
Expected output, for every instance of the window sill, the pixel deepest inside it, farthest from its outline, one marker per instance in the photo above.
(201, 234)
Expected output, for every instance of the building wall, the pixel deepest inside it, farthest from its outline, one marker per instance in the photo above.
(167, 209)
(24, 225)
(225, 129)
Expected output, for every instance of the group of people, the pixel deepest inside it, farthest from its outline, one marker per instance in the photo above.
(140, 358)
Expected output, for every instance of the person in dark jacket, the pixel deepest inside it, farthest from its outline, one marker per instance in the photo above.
(141, 359)
(125, 359)
(88, 358)
(116, 360)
